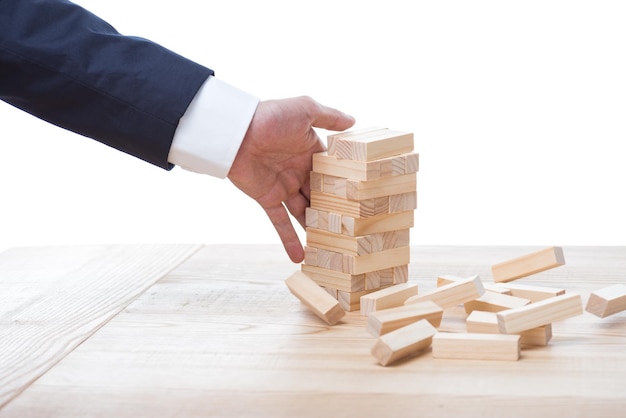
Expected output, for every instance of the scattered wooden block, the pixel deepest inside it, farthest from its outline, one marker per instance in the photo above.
(315, 298)
(388, 297)
(472, 346)
(533, 293)
(387, 320)
(403, 342)
(487, 323)
(494, 302)
(607, 301)
(528, 264)
(513, 321)
(369, 145)
(365, 170)
(452, 294)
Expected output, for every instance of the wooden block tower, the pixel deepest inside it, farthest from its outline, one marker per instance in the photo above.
(363, 197)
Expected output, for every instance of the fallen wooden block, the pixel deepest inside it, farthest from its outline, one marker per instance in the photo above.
(487, 323)
(387, 320)
(528, 264)
(455, 293)
(369, 144)
(513, 321)
(388, 297)
(533, 293)
(494, 302)
(351, 301)
(491, 287)
(315, 298)
(403, 342)
(470, 346)
(607, 301)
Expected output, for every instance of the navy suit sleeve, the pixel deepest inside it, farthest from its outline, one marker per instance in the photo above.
(65, 65)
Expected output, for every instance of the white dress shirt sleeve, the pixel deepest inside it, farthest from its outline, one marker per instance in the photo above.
(210, 132)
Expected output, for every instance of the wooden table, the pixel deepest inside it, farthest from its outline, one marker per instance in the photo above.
(196, 331)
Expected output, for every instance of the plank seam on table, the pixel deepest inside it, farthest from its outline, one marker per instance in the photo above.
(193, 250)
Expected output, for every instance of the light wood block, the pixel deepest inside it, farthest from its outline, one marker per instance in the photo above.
(540, 313)
(403, 342)
(335, 279)
(528, 264)
(361, 264)
(357, 209)
(363, 190)
(490, 287)
(533, 293)
(387, 320)
(452, 294)
(361, 226)
(365, 170)
(494, 302)
(607, 301)
(471, 346)
(387, 298)
(318, 300)
(351, 301)
(487, 323)
(369, 145)
(357, 245)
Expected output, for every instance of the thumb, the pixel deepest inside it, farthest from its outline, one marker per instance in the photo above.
(332, 119)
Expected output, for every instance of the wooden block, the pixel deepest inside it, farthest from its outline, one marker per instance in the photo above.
(372, 280)
(385, 186)
(533, 293)
(387, 298)
(355, 208)
(351, 301)
(384, 321)
(403, 342)
(540, 313)
(487, 323)
(315, 298)
(335, 279)
(473, 346)
(316, 180)
(528, 264)
(360, 264)
(378, 261)
(607, 301)
(331, 140)
(369, 145)
(494, 302)
(452, 294)
(402, 202)
(357, 245)
(381, 223)
(401, 274)
(489, 287)
(365, 170)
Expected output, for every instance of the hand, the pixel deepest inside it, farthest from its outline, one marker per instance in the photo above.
(274, 161)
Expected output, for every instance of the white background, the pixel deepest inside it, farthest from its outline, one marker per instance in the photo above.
(518, 111)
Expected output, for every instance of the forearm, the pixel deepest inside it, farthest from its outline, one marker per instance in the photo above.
(62, 64)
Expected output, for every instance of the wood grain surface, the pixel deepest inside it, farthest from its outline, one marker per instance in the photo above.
(222, 336)
(52, 299)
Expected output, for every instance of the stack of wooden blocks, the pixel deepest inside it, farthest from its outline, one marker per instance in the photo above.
(363, 197)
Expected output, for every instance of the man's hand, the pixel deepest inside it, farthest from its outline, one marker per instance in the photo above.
(274, 161)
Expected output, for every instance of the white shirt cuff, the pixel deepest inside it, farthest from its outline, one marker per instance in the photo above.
(210, 132)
